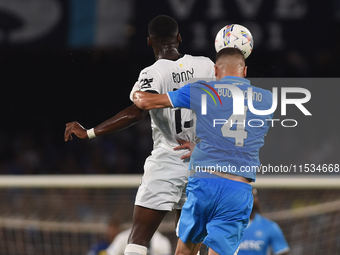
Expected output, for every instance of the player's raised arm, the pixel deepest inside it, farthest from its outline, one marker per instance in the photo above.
(124, 119)
(148, 101)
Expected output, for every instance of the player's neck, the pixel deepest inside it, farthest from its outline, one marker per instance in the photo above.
(167, 52)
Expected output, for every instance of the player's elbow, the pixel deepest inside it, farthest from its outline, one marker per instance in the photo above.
(146, 104)
(141, 101)
(137, 100)
(142, 104)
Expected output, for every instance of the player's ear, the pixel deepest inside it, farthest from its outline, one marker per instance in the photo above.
(149, 41)
(216, 70)
(179, 38)
(245, 71)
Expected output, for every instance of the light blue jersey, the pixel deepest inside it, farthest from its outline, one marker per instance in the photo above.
(262, 235)
(229, 143)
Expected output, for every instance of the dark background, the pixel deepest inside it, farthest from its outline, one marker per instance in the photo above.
(83, 66)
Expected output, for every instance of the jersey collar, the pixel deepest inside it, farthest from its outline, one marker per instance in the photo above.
(235, 79)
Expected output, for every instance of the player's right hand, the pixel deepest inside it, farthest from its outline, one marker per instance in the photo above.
(185, 145)
(74, 128)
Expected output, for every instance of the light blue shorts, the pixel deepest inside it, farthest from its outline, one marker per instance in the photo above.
(216, 212)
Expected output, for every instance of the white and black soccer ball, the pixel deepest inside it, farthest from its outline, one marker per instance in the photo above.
(236, 36)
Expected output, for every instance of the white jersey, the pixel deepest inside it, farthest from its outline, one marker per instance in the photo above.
(159, 244)
(164, 76)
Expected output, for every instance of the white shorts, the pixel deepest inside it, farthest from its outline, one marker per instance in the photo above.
(163, 186)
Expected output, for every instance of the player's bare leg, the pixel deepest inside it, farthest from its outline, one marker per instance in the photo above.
(212, 252)
(144, 225)
(187, 248)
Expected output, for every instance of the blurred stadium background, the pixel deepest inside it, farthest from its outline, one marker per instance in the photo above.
(65, 60)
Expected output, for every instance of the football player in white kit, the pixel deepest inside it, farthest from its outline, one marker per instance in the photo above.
(166, 170)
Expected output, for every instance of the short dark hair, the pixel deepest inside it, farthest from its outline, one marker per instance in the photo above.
(229, 51)
(163, 27)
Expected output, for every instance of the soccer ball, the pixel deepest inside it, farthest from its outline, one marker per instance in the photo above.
(236, 36)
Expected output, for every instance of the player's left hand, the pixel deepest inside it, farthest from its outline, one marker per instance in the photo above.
(74, 128)
(185, 145)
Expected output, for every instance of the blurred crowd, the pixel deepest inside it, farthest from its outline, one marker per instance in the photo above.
(122, 153)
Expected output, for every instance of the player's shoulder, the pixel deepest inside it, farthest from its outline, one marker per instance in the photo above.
(151, 69)
(158, 69)
(153, 74)
(200, 59)
(264, 219)
(188, 56)
(202, 84)
(264, 95)
(164, 63)
(269, 223)
(261, 90)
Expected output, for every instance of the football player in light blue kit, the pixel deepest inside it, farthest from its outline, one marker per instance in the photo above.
(262, 235)
(220, 196)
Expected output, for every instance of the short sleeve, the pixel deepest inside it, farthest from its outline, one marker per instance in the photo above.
(134, 89)
(278, 241)
(149, 80)
(181, 97)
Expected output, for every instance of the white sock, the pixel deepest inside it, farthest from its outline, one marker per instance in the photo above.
(135, 249)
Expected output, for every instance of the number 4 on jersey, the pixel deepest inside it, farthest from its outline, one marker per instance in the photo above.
(239, 134)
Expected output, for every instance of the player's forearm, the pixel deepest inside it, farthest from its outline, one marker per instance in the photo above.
(148, 101)
(122, 120)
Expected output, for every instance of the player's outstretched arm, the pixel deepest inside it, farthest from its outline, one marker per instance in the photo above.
(148, 101)
(124, 119)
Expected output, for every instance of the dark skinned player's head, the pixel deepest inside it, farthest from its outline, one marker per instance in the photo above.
(163, 30)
